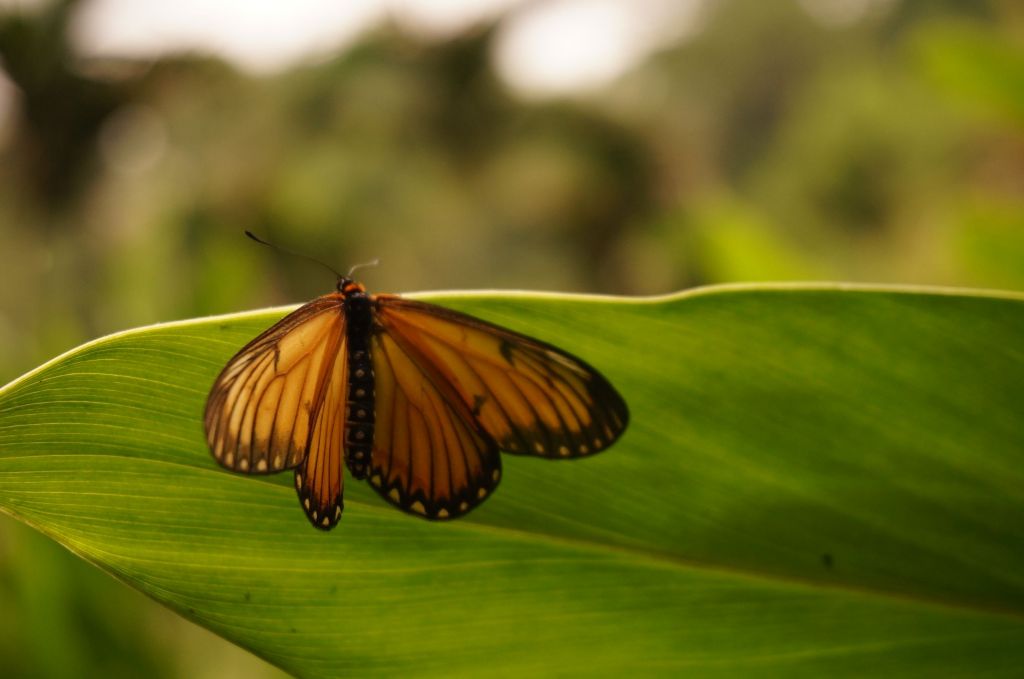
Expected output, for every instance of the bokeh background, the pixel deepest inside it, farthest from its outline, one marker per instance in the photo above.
(575, 145)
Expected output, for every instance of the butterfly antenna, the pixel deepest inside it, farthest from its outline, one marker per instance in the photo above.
(364, 265)
(259, 240)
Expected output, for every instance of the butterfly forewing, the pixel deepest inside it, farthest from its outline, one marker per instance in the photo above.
(430, 457)
(530, 397)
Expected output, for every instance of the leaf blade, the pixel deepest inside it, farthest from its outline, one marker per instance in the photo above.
(747, 404)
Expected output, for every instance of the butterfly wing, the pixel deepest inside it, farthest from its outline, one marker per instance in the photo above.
(530, 397)
(319, 479)
(430, 456)
(278, 405)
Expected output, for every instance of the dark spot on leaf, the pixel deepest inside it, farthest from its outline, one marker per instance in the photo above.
(248, 596)
(826, 560)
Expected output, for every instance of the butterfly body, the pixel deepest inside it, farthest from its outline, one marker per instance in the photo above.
(360, 405)
(413, 397)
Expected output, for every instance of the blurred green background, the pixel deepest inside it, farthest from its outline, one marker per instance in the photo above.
(855, 140)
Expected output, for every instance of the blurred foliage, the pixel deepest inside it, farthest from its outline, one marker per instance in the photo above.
(779, 141)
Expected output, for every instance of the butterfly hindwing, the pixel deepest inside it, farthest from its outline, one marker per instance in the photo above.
(529, 396)
(319, 480)
(429, 457)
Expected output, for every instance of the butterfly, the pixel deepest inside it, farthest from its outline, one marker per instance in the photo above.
(416, 398)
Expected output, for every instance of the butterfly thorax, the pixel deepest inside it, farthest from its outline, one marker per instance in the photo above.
(359, 407)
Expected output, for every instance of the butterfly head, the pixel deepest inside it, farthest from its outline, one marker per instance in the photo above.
(347, 286)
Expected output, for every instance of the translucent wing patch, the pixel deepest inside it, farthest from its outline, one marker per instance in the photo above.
(272, 404)
(530, 397)
(429, 456)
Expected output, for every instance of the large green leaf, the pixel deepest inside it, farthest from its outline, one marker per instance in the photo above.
(816, 480)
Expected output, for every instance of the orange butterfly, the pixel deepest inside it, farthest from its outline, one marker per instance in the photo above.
(415, 397)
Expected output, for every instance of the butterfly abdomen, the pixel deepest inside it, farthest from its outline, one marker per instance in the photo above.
(359, 413)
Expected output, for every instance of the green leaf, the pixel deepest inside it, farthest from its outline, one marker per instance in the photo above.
(816, 481)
